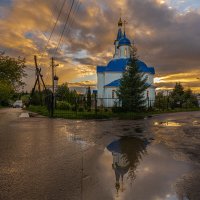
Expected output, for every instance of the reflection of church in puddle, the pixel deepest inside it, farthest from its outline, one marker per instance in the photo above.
(126, 153)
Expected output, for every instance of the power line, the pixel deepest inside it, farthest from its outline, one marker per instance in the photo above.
(50, 23)
(54, 26)
(68, 23)
(65, 25)
(53, 29)
(76, 9)
(71, 20)
(54, 5)
(73, 15)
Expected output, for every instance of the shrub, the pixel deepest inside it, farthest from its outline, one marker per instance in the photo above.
(116, 109)
(81, 109)
(63, 105)
(74, 108)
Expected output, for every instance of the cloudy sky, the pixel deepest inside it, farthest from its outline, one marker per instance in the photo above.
(165, 32)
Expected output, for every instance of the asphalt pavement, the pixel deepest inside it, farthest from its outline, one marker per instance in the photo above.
(57, 159)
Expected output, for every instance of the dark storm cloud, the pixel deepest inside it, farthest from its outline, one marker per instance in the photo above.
(174, 44)
(85, 61)
(164, 38)
(5, 2)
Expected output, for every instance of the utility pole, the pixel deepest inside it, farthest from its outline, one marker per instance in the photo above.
(53, 85)
(52, 98)
(39, 78)
(53, 74)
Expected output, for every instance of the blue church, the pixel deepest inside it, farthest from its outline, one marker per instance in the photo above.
(109, 76)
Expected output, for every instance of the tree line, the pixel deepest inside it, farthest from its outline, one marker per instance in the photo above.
(12, 71)
(177, 98)
(130, 92)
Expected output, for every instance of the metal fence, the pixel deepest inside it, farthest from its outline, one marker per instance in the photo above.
(81, 107)
(76, 107)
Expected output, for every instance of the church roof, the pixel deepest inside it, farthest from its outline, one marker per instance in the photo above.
(144, 68)
(119, 65)
(119, 35)
(116, 83)
(101, 69)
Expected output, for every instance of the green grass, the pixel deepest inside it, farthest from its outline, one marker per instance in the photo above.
(38, 109)
(86, 115)
(102, 114)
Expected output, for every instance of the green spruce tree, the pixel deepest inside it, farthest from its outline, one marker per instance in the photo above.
(132, 86)
(89, 98)
(177, 96)
(190, 99)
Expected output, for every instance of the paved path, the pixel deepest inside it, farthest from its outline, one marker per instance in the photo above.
(53, 159)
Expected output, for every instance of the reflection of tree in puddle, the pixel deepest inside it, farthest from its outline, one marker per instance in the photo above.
(127, 153)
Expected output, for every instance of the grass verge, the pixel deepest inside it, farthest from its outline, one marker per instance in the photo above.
(102, 114)
(85, 115)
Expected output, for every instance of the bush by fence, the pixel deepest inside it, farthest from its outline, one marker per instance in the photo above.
(77, 108)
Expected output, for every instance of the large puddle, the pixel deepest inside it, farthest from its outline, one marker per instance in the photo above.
(135, 169)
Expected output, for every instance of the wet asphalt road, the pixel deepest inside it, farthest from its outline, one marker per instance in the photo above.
(55, 159)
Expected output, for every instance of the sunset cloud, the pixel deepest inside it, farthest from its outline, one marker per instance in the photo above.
(165, 34)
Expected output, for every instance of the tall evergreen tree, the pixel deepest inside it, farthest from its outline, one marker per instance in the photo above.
(89, 98)
(190, 100)
(161, 101)
(177, 96)
(132, 86)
